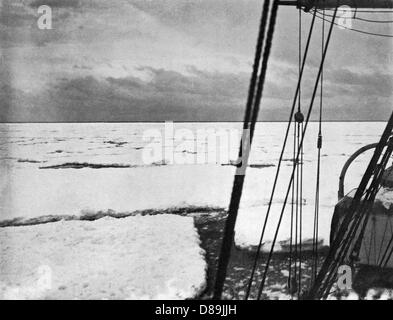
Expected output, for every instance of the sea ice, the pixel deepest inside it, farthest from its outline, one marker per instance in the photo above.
(139, 257)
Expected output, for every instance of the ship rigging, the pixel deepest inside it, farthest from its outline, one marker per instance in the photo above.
(356, 215)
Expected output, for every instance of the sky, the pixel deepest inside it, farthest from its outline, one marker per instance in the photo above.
(180, 60)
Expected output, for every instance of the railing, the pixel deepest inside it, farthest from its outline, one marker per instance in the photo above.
(346, 166)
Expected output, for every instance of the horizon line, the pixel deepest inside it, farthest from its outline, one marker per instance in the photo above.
(176, 121)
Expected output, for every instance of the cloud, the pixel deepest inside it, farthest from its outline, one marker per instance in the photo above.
(196, 62)
(167, 96)
(56, 3)
(15, 17)
(197, 95)
(379, 84)
(221, 24)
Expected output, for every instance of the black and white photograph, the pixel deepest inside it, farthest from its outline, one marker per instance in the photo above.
(208, 150)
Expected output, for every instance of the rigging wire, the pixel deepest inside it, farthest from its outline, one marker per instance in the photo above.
(375, 186)
(300, 136)
(296, 182)
(239, 178)
(299, 176)
(387, 248)
(292, 281)
(294, 284)
(249, 123)
(362, 215)
(359, 217)
(367, 11)
(386, 256)
(280, 161)
(370, 196)
(383, 237)
(297, 158)
(268, 45)
(359, 31)
(348, 227)
(319, 147)
(358, 18)
(373, 21)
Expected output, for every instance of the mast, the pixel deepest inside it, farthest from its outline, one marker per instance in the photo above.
(330, 4)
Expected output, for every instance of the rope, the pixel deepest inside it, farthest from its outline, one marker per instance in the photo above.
(326, 275)
(381, 263)
(319, 146)
(373, 21)
(300, 178)
(365, 207)
(298, 153)
(300, 134)
(358, 18)
(374, 188)
(347, 241)
(268, 45)
(251, 113)
(294, 283)
(280, 161)
(386, 256)
(367, 11)
(383, 237)
(360, 31)
(291, 285)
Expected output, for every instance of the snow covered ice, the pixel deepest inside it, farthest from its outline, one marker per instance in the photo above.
(125, 183)
(150, 257)
(79, 169)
